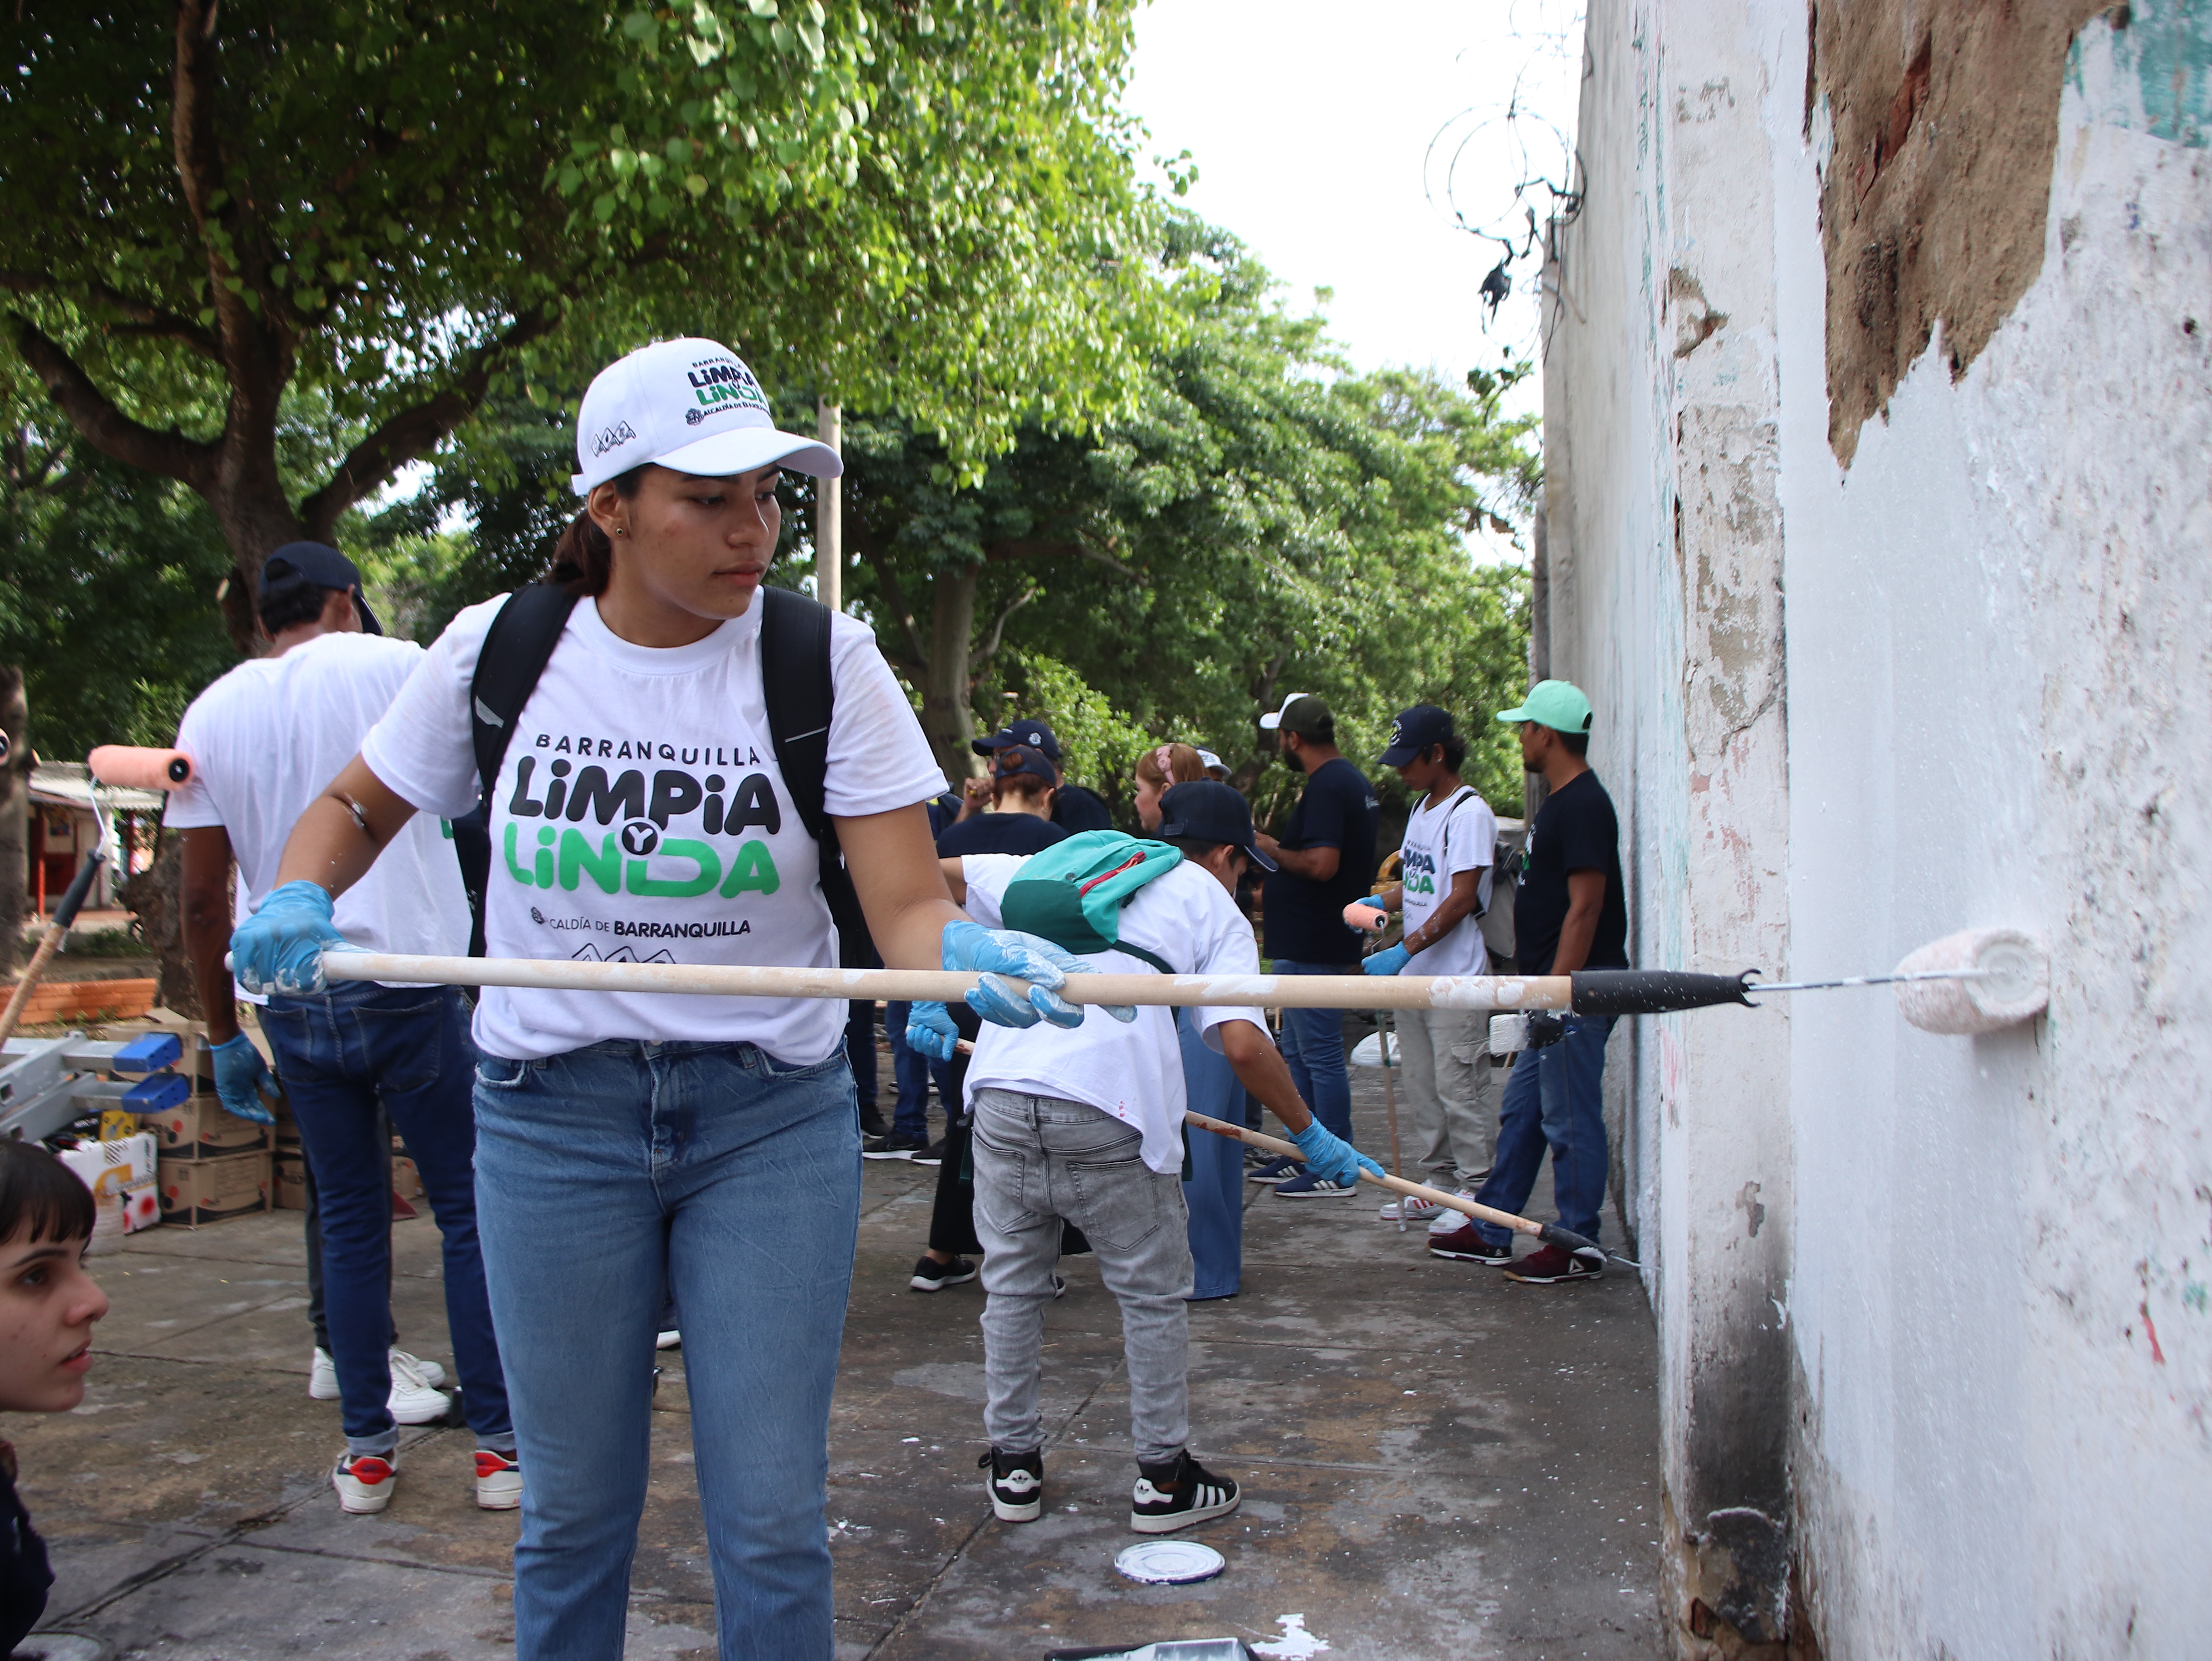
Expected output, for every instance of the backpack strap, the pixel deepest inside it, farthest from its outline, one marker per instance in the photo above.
(797, 686)
(1451, 808)
(516, 649)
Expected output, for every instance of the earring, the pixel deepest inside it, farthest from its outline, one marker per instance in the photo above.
(622, 531)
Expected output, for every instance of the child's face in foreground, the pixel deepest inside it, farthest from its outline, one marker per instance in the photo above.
(47, 1306)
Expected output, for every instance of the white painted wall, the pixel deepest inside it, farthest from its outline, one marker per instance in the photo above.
(2000, 678)
(1998, 691)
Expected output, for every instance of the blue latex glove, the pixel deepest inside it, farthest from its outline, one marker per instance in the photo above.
(1389, 961)
(1374, 900)
(242, 1079)
(970, 947)
(1329, 1156)
(280, 947)
(929, 1029)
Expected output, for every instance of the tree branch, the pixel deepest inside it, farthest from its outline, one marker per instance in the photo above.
(414, 432)
(146, 319)
(917, 649)
(1024, 547)
(109, 430)
(976, 659)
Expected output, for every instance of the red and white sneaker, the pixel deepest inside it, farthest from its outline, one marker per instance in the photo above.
(364, 1483)
(499, 1481)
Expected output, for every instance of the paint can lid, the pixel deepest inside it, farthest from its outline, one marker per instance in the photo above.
(1170, 1562)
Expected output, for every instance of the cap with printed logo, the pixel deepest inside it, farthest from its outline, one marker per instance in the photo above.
(1557, 704)
(1017, 759)
(1414, 731)
(693, 407)
(1034, 733)
(322, 566)
(1210, 812)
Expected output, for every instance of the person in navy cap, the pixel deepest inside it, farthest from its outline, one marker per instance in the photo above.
(1074, 809)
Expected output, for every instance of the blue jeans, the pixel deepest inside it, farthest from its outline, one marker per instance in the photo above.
(1214, 1195)
(406, 1050)
(733, 1180)
(1313, 1044)
(1553, 1099)
(912, 1069)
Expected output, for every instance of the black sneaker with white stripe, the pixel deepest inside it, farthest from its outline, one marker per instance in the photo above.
(1178, 1494)
(1017, 1485)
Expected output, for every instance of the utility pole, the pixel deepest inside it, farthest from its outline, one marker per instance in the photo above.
(830, 517)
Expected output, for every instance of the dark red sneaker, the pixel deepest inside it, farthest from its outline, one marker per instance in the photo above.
(1551, 1264)
(1465, 1243)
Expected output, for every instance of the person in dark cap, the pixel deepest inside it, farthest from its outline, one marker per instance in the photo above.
(266, 740)
(1326, 856)
(1074, 809)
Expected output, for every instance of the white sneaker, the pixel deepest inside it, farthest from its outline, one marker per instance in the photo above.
(1447, 1220)
(1415, 1211)
(669, 1339)
(499, 1481)
(413, 1401)
(428, 1374)
(364, 1483)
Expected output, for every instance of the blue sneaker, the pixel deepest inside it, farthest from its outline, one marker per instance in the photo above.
(1273, 1171)
(1307, 1186)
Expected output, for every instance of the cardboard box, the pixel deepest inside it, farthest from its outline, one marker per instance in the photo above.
(195, 1062)
(291, 1189)
(109, 1167)
(202, 1129)
(214, 1190)
(141, 1206)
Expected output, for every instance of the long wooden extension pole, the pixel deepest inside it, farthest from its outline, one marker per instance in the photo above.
(1549, 1234)
(916, 985)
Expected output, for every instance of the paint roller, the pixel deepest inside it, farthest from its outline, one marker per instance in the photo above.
(135, 766)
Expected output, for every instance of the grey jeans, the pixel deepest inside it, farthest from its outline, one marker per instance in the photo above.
(1452, 1090)
(1038, 1160)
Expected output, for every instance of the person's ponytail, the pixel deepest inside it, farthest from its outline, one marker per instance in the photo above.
(584, 557)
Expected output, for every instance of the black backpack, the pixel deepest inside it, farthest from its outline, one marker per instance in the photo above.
(796, 684)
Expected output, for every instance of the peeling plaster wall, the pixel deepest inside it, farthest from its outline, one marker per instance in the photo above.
(2000, 679)
(1662, 468)
(1966, 679)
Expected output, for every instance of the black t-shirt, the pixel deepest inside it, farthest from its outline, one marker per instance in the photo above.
(1576, 830)
(24, 1576)
(1074, 809)
(999, 833)
(1305, 919)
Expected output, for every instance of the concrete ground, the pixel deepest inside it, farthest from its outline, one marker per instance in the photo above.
(1437, 1463)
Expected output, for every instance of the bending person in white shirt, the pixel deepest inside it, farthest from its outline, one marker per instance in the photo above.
(1088, 1127)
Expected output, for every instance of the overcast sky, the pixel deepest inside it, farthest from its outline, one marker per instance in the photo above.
(1310, 123)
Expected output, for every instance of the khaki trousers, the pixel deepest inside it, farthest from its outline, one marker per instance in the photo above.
(1451, 1090)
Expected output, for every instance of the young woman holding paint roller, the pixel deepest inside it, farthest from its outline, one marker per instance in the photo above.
(624, 1142)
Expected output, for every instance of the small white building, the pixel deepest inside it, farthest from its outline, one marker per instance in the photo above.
(61, 830)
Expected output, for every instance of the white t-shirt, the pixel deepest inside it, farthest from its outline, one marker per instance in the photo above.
(1459, 835)
(641, 817)
(268, 738)
(1187, 919)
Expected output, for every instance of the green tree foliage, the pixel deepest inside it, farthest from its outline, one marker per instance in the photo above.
(388, 211)
(107, 583)
(1266, 523)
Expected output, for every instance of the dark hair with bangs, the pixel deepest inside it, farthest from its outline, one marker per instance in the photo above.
(39, 1191)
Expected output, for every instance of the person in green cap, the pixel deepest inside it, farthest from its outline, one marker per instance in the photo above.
(1570, 913)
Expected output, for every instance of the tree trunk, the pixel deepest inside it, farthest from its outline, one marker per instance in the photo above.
(257, 520)
(154, 898)
(14, 816)
(946, 720)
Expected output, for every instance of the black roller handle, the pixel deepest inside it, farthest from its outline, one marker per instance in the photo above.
(1656, 991)
(72, 900)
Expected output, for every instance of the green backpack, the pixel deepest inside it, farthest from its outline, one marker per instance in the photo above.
(1072, 893)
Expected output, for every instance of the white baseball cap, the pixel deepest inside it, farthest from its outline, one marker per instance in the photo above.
(1274, 718)
(692, 406)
